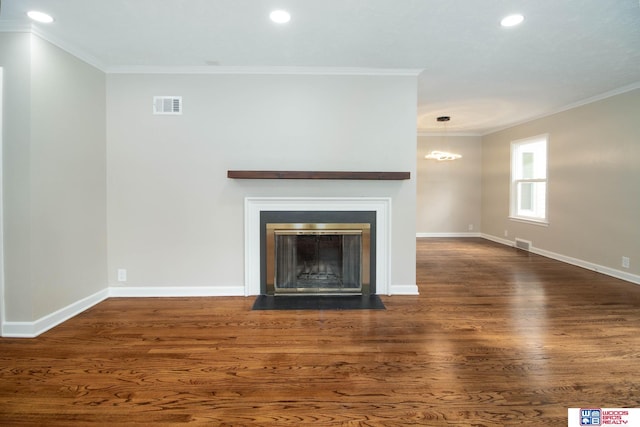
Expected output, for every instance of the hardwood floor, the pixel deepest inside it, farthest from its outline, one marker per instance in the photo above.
(498, 337)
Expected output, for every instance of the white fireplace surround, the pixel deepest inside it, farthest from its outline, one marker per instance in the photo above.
(254, 205)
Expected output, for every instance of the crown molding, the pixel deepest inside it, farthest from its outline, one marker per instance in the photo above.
(447, 134)
(72, 50)
(215, 69)
(14, 27)
(605, 95)
(36, 30)
(590, 100)
(21, 27)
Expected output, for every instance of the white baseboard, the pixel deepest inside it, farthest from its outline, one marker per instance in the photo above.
(461, 234)
(42, 325)
(175, 291)
(500, 240)
(404, 290)
(213, 291)
(618, 274)
(33, 329)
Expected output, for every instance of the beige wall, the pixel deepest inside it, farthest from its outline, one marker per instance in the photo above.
(15, 58)
(594, 183)
(68, 178)
(54, 178)
(174, 218)
(449, 192)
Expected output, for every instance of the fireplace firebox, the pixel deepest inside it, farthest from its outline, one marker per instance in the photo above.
(317, 253)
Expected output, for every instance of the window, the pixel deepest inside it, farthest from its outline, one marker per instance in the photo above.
(529, 179)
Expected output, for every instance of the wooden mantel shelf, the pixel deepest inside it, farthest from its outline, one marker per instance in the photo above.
(384, 176)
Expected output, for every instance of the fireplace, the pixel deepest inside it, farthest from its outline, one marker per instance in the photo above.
(376, 212)
(318, 258)
(318, 252)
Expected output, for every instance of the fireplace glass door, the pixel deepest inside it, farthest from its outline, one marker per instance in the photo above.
(318, 260)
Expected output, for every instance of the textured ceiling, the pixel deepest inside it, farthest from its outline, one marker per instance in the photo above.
(484, 76)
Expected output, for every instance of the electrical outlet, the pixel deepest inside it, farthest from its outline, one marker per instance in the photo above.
(625, 261)
(506, 233)
(470, 227)
(122, 275)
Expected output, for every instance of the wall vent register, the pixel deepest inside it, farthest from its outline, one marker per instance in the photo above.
(171, 105)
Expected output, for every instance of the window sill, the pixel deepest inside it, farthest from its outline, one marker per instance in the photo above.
(543, 223)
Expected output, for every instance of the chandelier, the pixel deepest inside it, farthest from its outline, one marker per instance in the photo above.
(443, 155)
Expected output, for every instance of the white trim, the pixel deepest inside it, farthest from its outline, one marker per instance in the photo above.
(450, 234)
(70, 49)
(623, 275)
(208, 69)
(174, 291)
(500, 240)
(42, 325)
(587, 101)
(321, 71)
(596, 98)
(403, 290)
(633, 278)
(205, 69)
(15, 27)
(515, 154)
(524, 220)
(253, 206)
(447, 134)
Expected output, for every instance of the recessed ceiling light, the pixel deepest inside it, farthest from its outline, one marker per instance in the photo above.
(40, 16)
(512, 20)
(280, 16)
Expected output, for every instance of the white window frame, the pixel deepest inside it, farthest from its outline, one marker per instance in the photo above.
(539, 214)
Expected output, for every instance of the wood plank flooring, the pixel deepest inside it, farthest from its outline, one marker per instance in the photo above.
(498, 337)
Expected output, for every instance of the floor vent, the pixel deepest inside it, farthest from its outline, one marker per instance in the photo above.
(525, 245)
(167, 105)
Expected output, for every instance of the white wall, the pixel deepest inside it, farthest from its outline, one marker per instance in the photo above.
(593, 184)
(174, 218)
(54, 178)
(449, 192)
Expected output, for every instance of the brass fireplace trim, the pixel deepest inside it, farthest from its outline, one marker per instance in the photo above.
(273, 229)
